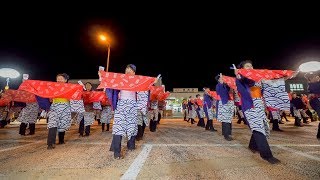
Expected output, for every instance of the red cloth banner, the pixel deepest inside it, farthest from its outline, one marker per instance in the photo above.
(259, 74)
(230, 81)
(125, 82)
(19, 96)
(163, 96)
(199, 102)
(155, 91)
(214, 95)
(47, 89)
(94, 96)
(4, 102)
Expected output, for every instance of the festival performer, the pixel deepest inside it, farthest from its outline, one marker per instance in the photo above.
(199, 111)
(191, 110)
(184, 109)
(208, 101)
(252, 104)
(121, 91)
(314, 96)
(142, 119)
(62, 95)
(157, 97)
(86, 118)
(153, 115)
(4, 110)
(225, 108)
(106, 113)
(275, 118)
(29, 113)
(161, 107)
(298, 109)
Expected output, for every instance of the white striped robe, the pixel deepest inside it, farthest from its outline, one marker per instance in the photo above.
(29, 114)
(225, 111)
(106, 114)
(153, 112)
(257, 118)
(142, 102)
(275, 95)
(125, 117)
(63, 113)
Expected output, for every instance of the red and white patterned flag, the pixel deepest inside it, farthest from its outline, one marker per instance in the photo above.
(94, 96)
(19, 96)
(259, 74)
(155, 91)
(163, 96)
(230, 81)
(4, 102)
(127, 82)
(47, 89)
(214, 95)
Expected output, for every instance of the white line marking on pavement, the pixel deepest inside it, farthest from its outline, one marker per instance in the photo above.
(205, 145)
(300, 153)
(137, 164)
(197, 145)
(235, 145)
(16, 147)
(296, 145)
(16, 140)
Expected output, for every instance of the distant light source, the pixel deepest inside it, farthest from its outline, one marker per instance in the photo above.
(311, 66)
(9, 73)
(102, 37)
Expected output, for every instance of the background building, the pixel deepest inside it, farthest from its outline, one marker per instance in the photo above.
(298, 84)
(174, 101)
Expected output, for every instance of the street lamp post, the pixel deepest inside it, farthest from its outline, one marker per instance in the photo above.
(7, 86)
(107, 69)
(104, 38)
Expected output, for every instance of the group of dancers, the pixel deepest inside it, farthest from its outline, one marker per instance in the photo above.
(127, 99)
(252, 98)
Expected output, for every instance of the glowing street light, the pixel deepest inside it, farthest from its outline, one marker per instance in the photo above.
(9, 73)
(104, 39)
(311, 66)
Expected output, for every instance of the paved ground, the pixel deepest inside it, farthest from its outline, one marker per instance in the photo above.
(178, 150)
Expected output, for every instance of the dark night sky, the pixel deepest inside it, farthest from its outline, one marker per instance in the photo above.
(44, 43)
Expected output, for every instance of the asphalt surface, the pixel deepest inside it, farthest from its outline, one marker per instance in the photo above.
(177, 150)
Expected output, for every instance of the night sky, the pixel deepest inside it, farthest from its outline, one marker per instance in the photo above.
(45, 42)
